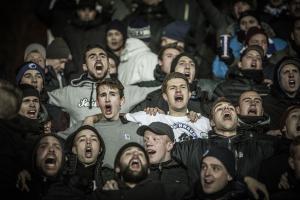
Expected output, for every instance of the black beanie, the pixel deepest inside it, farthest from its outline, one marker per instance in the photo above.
(124, 147)
(225, 156)
(29, 90)
(251, 13)
(119, 26)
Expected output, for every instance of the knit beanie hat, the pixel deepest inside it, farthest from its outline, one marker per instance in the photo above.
(29, 90)
(82, 4)
(140, 29)
(124, 147)
(285, 115)
(119, 26)
(57, 49)
(28, 66)
(35, 47)
(253, 31)
(225, 156)
(176, 30)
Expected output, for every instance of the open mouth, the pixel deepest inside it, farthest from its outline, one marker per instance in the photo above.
(252, 111)
(151, 152)
(187, 74)
(253, 64)
(292, 83)
(135, 164)
(50, 161)
(31, 113)
(178, 98)
(208, 181)
(108, 109)
(298, 128)
(227, 116)
(98, 67)
(88, 152)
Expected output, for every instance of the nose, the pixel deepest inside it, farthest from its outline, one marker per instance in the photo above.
(207, 172)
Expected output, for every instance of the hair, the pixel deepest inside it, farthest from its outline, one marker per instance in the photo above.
(169, 46)
(245, 92)
(112, 83)
(173, 75)
(293, 146)
(93, 46)
(10, 100)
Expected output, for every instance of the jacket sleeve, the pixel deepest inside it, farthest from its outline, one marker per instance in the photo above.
(59, 97)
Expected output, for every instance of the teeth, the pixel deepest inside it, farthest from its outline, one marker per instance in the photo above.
(151, 152)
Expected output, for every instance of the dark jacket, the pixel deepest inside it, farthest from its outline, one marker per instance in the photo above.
(146, 190)
(293, 193)
(235, 190)
(78, 34)
(248, 152)
(235, 84)
(17, 138)
(174, 177)
(270, 175)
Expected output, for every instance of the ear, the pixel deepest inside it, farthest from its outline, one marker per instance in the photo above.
(74, 150)
(84, 67)
(117, 170)
(229, 178)
(97, 102)
(292, 36)
(284, 129)
(170, 146)
(122, 101)
(239, 64)
(291, 163)
(165, 97)
(212, 123)
(237, 108)
(190, 94)
(159, 62)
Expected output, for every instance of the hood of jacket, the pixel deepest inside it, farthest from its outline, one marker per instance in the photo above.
(133, 47)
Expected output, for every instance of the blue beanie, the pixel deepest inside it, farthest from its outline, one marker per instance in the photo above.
(28, 66)
(176, 30)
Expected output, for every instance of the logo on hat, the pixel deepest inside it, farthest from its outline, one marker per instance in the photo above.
(32, 66)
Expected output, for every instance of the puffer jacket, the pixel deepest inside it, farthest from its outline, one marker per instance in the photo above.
(248, 152)
(236, 84)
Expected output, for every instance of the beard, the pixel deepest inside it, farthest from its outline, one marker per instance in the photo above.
(134, 177)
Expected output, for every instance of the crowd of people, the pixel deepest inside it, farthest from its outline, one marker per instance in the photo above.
(156, 99)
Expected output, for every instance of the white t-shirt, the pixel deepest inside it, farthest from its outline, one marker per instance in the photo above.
(183, 128)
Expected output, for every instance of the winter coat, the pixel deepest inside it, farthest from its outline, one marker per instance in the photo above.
(236, 84)
(235, 190)
(174, 177)
(137, 62)
(78, 34)
(146, 190)
(248, 152)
